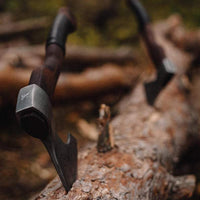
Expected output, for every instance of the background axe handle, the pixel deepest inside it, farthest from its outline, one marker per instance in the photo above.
(155, 51)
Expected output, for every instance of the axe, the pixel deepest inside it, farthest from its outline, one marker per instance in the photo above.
(34, 109)
(164, 67)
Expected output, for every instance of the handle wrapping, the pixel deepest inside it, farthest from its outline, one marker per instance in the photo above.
(63, 25)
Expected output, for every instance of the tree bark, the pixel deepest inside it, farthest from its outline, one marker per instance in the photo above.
(149, 142)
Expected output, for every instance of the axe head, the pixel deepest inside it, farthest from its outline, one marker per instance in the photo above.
(164, 74)
(34, 113)
(64, 158)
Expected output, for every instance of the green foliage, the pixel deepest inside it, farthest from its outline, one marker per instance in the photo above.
(33, 8)
(106, 22)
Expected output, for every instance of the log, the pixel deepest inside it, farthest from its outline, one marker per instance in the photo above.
(188, 40)
(181, 58)
(78, 57)
(98, 56)
(13, 29)
(79, 85)
(149, 142)
(89, 82)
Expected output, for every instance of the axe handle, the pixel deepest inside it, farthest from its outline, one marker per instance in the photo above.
(155, 51)
(46, 76)
(140, 13)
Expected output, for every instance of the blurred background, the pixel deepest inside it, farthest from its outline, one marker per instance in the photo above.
(24, 164)
(108, 23)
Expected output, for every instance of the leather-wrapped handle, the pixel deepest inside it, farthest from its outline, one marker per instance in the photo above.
(46, 76)
(155, 51)
(63, 25)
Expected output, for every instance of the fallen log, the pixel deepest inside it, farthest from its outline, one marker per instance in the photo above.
(84, 84)
(181, 58)
(70, 85)
(13, 29)
(78, 57)
(188, 40)
(149, 142)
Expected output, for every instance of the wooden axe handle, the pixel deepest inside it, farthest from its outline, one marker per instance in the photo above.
(155, 51)
(46, 76)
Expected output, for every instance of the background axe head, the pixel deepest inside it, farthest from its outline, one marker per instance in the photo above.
(164, 74)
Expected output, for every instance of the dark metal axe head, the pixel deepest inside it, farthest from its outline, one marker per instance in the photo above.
(164, 74)
(165, 69)
(34, 113)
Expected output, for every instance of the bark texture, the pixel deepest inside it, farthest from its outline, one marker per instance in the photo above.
(149, 142)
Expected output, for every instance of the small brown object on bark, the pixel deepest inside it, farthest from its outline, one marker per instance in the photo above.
(105, 140)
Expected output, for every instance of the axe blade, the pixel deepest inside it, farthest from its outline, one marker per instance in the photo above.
(35, 116)
(164, 74)
(64, 158)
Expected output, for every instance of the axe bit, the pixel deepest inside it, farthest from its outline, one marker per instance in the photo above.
(164, 67)
(34, 110)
